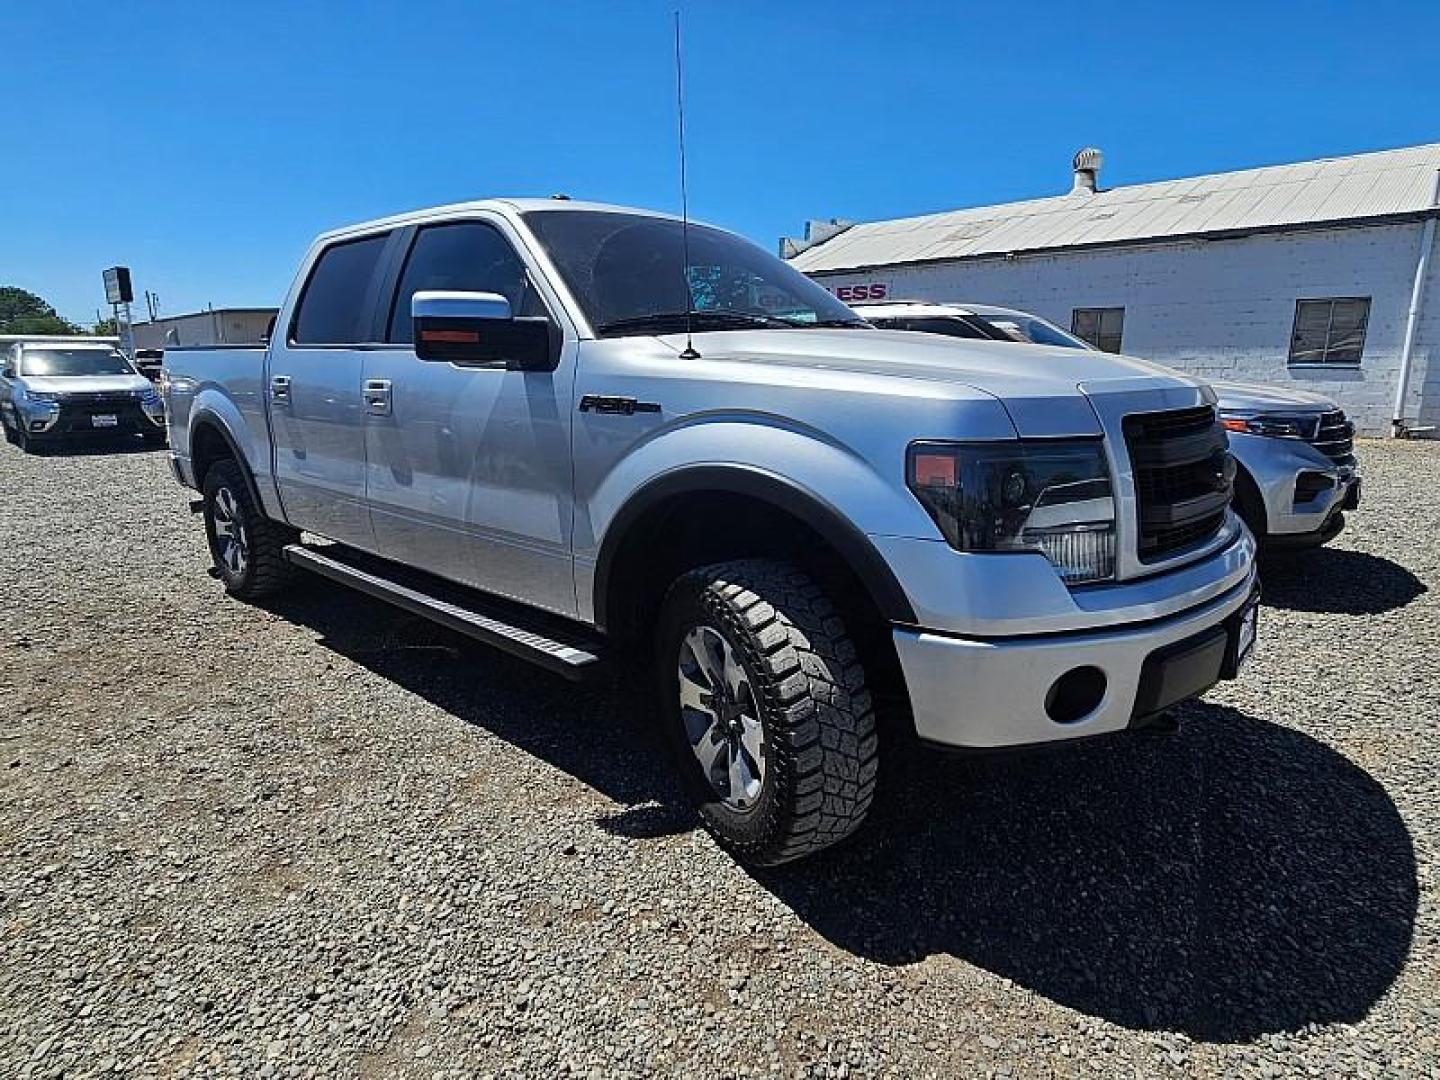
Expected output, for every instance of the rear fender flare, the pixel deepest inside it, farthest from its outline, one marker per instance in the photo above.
(204, 420)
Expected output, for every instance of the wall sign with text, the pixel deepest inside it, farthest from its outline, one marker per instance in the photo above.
(859, 294)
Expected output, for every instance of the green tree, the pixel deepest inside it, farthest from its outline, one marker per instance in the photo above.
(23, 312)
(106, 328)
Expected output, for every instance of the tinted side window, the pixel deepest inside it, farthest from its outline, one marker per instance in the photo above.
(468, 256)
(332, 305)
(950, 327)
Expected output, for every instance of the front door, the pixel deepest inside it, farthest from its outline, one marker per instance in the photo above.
(313, 387)
(468, 467)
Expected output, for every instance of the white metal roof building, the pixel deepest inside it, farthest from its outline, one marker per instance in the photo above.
(1299, 273)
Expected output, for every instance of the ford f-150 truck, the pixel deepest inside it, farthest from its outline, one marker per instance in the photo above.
(573, 430)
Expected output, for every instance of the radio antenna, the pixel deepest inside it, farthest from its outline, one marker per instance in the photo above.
(689, 353)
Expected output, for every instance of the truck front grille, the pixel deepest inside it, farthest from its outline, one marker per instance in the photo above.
(1334, 436)
(1182, 483)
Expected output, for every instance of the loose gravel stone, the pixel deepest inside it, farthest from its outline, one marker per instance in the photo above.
(323, 838)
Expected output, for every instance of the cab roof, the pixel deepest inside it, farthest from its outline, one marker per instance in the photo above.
(504, 206)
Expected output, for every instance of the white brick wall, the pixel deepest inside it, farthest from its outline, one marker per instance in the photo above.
(1224, 309)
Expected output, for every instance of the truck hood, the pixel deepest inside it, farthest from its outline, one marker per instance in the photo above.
(84, 384)
(1045, 389)
(1252, 397)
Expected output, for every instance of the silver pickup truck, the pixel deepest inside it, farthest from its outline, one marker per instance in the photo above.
(569, 430)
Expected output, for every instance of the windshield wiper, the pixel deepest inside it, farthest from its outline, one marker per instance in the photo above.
(842, 324)
(710, 319)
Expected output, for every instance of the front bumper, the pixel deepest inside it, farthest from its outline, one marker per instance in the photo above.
(1287, 473)
(1001, 692)
(76, 416)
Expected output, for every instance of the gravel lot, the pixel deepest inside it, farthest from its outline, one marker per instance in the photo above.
(325, 838)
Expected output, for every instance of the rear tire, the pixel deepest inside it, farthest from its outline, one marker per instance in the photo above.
(247, 547)
(764, 699)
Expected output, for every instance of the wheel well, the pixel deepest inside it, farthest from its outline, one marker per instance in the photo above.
(1248, 502)
(685, 531)
(207, 446)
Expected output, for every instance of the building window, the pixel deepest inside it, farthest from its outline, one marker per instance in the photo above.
(1329, 331)
(1100, 326)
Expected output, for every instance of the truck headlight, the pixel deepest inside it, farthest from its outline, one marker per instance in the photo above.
(1053, 498)
(1275, 425)
(151, 401)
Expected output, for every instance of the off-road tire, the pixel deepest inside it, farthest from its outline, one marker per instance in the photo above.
(821, 749)
(265, 571)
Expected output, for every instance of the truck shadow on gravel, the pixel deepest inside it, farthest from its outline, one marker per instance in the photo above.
(1334, 581)
(1235, 879)
(1232, 880)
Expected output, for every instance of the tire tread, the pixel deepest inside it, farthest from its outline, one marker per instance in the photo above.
(818, 701)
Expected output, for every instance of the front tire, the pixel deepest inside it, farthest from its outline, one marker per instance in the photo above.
(764, 698)
(247, 547)
(1249, 504)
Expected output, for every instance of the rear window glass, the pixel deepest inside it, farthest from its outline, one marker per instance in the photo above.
(332, 306)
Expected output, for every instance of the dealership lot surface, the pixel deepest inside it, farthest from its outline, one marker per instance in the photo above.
(325, 838)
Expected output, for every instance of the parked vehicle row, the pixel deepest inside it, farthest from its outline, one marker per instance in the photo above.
(1296, 474)
(57, 390)
(572, 430)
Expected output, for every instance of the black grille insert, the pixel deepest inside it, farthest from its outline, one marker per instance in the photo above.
(1182, 478)
(1335, 437)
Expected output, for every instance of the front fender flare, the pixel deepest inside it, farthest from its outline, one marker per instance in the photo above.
(853, 545)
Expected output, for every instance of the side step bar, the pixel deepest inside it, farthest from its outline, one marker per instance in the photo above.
(574, 660)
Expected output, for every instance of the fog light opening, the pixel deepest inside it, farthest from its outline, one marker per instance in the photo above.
(1075, 695)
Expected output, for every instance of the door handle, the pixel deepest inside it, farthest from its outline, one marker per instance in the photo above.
(280, 389)
(377, 397)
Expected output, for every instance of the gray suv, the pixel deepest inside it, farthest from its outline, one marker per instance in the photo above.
(1297, 472)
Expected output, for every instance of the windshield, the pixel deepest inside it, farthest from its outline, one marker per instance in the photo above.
(73, 362)
(1033, 330)
(629, 274)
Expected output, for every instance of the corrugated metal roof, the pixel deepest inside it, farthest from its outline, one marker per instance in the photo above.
(1353, 188)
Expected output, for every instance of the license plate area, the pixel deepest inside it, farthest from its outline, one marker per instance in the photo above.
(105, 420)
(1243, 629)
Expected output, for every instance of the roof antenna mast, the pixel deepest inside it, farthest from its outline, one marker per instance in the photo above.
(689, 353)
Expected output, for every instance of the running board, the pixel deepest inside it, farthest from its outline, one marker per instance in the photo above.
(458, 611)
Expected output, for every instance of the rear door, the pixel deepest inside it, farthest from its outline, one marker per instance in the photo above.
(313, 387)
(468, 472)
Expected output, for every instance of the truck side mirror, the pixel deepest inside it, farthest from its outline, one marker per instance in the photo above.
(478, 328)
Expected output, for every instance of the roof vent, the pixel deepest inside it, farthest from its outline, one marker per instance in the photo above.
(1087, 170)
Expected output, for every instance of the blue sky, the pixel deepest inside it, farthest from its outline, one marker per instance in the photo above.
(204, 149)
